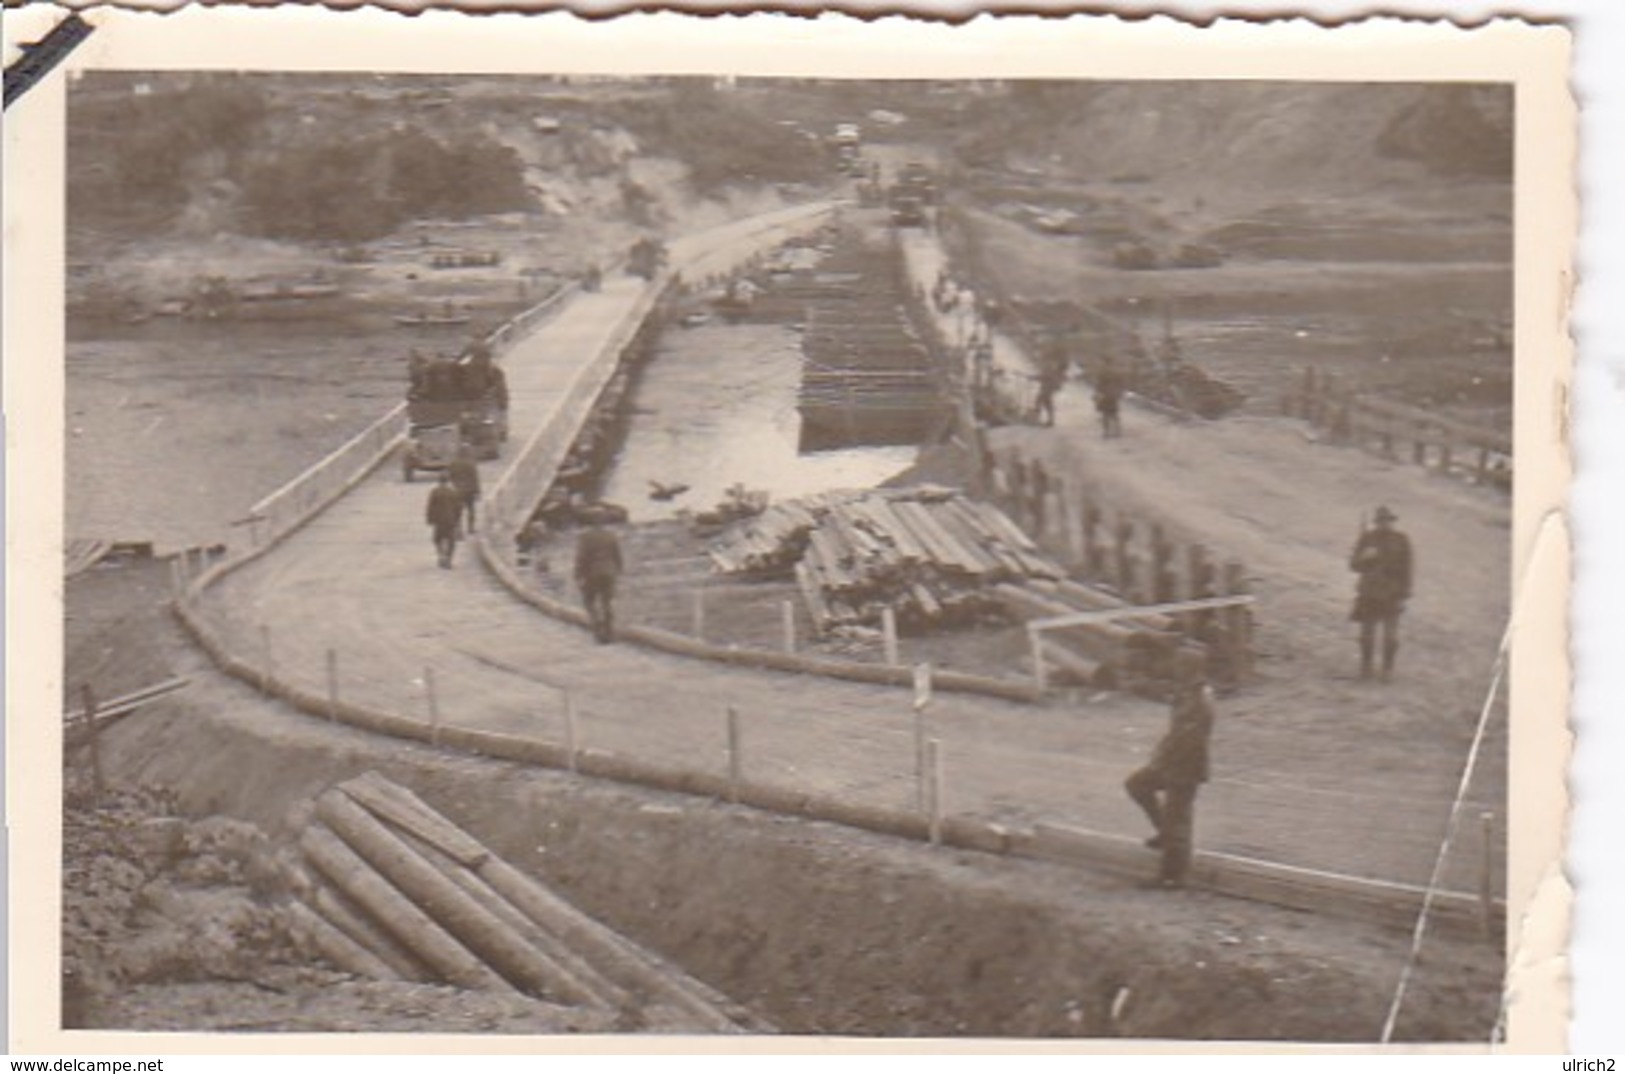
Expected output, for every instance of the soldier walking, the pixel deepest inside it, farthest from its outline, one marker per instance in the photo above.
(444, 515)
(1165, 788)
(1382, 559)
(465, 478)
(598, 565)
(1051, 376)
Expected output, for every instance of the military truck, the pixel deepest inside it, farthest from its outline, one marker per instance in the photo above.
(452, 405)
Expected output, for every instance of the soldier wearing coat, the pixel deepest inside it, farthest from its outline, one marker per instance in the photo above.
(1165, 787)
(444, 514)
(1382, 559)
(465, 478)
(598, 565)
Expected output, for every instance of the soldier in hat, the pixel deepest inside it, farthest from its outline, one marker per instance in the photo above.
(1165, 787)
(598, 565)
(444, 513)
(1382, 559)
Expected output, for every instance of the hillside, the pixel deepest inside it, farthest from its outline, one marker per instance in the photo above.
(1237, 142)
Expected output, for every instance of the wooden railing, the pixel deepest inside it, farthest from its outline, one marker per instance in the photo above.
(1349, 417)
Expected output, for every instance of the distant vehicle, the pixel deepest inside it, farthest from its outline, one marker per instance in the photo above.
(907, 210)
(646, 258)
(917, 180)
(454, 404)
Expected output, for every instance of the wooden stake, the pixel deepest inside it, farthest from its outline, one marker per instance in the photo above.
(570, 728)
(788, 615)
(333, 685)
(699, 614)
(1035, 639)
(922, 798)
(88, 697)
(888, 630)
(933, 765)
(434, 706)
(735, 758)
(265, 653)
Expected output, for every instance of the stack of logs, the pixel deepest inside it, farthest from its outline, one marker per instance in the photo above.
(401, 893)
(930, 554)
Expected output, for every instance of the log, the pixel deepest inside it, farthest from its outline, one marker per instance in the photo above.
(1087, 598)
(472, 924)
(384, 800)
(339, 911)
(1105, 642)
(417, 931)
(1072, 665)
(335, 946)
(577, 977)
(610, 954)
(331, 943)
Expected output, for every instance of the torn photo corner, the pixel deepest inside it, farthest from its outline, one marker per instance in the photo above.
(1043, 530)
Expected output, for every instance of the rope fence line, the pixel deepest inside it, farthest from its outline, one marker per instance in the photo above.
(736, 766)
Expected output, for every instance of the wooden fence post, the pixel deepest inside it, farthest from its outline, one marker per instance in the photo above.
(736, 761)
(1163, 581)
(699, 613)
(88, 696)
(921, 772)
(1238, 625)
(1124, 563)
(332, 685)
(1038, 499)
(1419, 446)
(1343, 423)
(570, 729)
(1066, 511)
(1306, 409)
(1445, 461)
(265, 659)
(933, 764)
(1095, 555)
(1035, 641)
(888, 631)
(434, 706)
(787, 613)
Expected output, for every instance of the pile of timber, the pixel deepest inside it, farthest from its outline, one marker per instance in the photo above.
(398, 892)
(930, 554)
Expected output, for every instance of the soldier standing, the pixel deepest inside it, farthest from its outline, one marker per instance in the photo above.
(598, 565)
(444, 515)
(1382, 558)
(1165, 787)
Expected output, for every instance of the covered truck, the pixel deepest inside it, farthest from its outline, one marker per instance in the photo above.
(452, 404)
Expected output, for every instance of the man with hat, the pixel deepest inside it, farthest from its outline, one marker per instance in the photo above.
(1165, 787)
(1382, 559)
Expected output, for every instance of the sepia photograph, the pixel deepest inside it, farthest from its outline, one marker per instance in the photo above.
(789, 554)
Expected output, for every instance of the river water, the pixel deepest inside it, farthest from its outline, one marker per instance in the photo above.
(716, 407)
